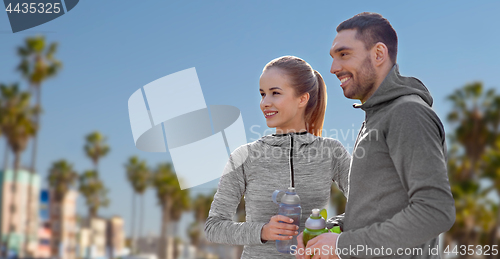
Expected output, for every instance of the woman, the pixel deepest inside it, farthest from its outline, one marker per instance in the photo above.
(294, 102)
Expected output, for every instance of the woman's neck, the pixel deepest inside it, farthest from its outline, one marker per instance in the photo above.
(295, 129)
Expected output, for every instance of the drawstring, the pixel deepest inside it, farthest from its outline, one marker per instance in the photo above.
(292, 180)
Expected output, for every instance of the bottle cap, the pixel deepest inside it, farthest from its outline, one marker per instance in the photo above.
(315, 221)
(291, 197)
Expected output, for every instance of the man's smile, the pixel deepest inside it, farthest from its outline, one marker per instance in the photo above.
(344, 78)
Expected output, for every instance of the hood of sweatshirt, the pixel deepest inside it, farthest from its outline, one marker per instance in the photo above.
(283, 140)
(394, 86)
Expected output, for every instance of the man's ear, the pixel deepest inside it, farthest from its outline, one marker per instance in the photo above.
(303, 100)
(380, 54)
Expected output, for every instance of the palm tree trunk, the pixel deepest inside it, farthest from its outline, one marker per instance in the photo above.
(28, 227)
(176, 233)
(163, 245)
(141, 216)
(92, 214)
(5, 165)
(6, 157)
(37, 123)
(132, 225)
(59, 237)
(496, 230)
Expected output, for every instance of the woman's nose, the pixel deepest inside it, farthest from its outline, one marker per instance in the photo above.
(266, 102)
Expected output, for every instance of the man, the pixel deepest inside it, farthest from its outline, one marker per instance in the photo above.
(399, 197)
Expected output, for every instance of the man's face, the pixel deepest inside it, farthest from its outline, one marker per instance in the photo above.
(352, 65)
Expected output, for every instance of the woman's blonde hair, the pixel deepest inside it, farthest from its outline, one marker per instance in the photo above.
(304, 79)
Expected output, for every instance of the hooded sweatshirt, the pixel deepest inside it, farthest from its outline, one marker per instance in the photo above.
(257, 169)
(399, 193)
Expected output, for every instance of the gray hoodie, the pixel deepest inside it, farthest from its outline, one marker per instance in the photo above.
(399, 194)
(317, 163)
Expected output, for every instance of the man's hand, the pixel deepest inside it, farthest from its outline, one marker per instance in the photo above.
(329, 240)
(273, 229)
(300, 247)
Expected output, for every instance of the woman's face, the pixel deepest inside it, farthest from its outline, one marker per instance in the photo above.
(281, 107)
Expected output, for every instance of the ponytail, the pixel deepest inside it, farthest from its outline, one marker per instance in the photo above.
(316, 117)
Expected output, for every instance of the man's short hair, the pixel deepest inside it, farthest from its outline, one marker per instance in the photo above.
(371, 29)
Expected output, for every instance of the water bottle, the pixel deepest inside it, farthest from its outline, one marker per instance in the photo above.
(289, 206)
(315, 226)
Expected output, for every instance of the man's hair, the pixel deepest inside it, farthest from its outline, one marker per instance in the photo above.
(373, 28)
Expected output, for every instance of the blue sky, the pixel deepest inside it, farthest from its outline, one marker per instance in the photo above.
(112, 48)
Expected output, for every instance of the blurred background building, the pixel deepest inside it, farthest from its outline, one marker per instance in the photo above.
(63, 225)
(14, 215)
(115, 237)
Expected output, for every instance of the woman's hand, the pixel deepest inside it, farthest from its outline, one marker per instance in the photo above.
(273, 229)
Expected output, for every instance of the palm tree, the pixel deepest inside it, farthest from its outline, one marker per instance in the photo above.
(476, 116)
(473, 209)
(181, 204)
(201, 208)
(138, 175)
(472, 112)
(94, 191)
(16, 116)
(61, 178)
(37, 65)
(492, 172)
(96, 147)
(167, 188)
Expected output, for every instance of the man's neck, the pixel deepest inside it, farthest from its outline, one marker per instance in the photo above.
(382, 75)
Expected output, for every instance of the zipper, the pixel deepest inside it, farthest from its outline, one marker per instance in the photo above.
(357, 138)
(292, 178)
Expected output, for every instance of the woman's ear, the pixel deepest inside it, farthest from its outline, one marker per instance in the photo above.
(303, 100)
(380, 54)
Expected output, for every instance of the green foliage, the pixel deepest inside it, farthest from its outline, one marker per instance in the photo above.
(138, 174)
(194, 233)
(61, 178)
(473, 157)
(337, 199)
(94, 191)
(96, 147)
(165, 182)
(476, 117)
(38, 62)
(201, 206)
(181, 203)
(16, 117)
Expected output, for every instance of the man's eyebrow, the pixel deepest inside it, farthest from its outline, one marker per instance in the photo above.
(341, 49)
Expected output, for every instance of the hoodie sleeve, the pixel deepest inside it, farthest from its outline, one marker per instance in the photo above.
(220, 227)
(415, 140)
(341, 163)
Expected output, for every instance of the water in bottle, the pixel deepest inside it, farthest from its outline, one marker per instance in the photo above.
(289, 206)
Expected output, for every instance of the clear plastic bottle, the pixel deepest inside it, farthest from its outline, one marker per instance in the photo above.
(289, 206)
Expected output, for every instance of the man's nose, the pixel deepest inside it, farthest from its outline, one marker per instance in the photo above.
(335, 67)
